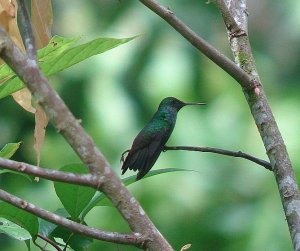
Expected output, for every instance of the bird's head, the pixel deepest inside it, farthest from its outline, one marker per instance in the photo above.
(175, 103)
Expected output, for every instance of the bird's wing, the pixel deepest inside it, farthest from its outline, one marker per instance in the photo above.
(145, 151)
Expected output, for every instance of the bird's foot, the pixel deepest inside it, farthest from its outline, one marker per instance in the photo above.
(122, 159)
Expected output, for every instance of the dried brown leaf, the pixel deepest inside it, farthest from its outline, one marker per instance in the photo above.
(41, 17)
(8, 20)
(42, 20)
(23, 98)
(41, 122)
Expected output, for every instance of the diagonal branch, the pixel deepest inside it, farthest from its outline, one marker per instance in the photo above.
(238, 154)
(128, 239)
(208, 50)
(64, 122)
(52, 243)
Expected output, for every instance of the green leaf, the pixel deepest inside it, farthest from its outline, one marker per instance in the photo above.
(9, 149)
(75, 241)
(5, 72)
(74, 197)
(20, 217)
(56, 46)
(101, 200)
(46, 227)
(52, 231)
(16, 173)
(10, 86)
(58, 55)
(79, 53)
(13, 230)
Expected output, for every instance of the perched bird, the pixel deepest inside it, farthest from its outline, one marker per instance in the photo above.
(149, 143)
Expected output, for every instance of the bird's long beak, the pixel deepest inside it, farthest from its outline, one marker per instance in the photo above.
(188, 103)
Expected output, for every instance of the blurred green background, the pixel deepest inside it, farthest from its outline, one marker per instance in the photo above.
(229, 204)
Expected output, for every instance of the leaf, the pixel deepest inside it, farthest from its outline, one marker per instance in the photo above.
(8, 20)
(58, 56)
(13, 230)
(56, 46)
(186, 247)
(74, 197)
(9, 150)
(75, 241)
(41, 16)
(46, 228)
(20, 217)
(79, 53)
(23, 98)
(41, 122)
(42, 20)
(16, 173)
(101, 200)
(10, 86)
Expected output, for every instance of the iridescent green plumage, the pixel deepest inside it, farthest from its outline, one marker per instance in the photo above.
(151, 140)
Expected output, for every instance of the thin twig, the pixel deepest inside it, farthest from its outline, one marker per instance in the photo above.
(237, 154)
(128, 239)
(52, 243)
(212, 53)
(28, 33)
(38, 245)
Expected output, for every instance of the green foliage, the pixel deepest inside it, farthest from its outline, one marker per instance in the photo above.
(52, 231)
(7, 152)
(20, 217)
(13, 230)
(75, 241)
(101, 200)
(9, 149)
(58, 55)
(74, 198)
(46, 228)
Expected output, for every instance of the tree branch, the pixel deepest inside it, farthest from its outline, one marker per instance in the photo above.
(90, 180)
(264, 119)
(238, 154)
(208, 50)
(64, 122)
(244, 71)
(128, 239)
(234, 29)
(52, 243)
(28, 34)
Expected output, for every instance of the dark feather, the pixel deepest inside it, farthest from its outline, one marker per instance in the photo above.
(145, 151)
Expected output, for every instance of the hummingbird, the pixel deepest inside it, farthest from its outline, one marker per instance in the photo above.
(150, 141)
